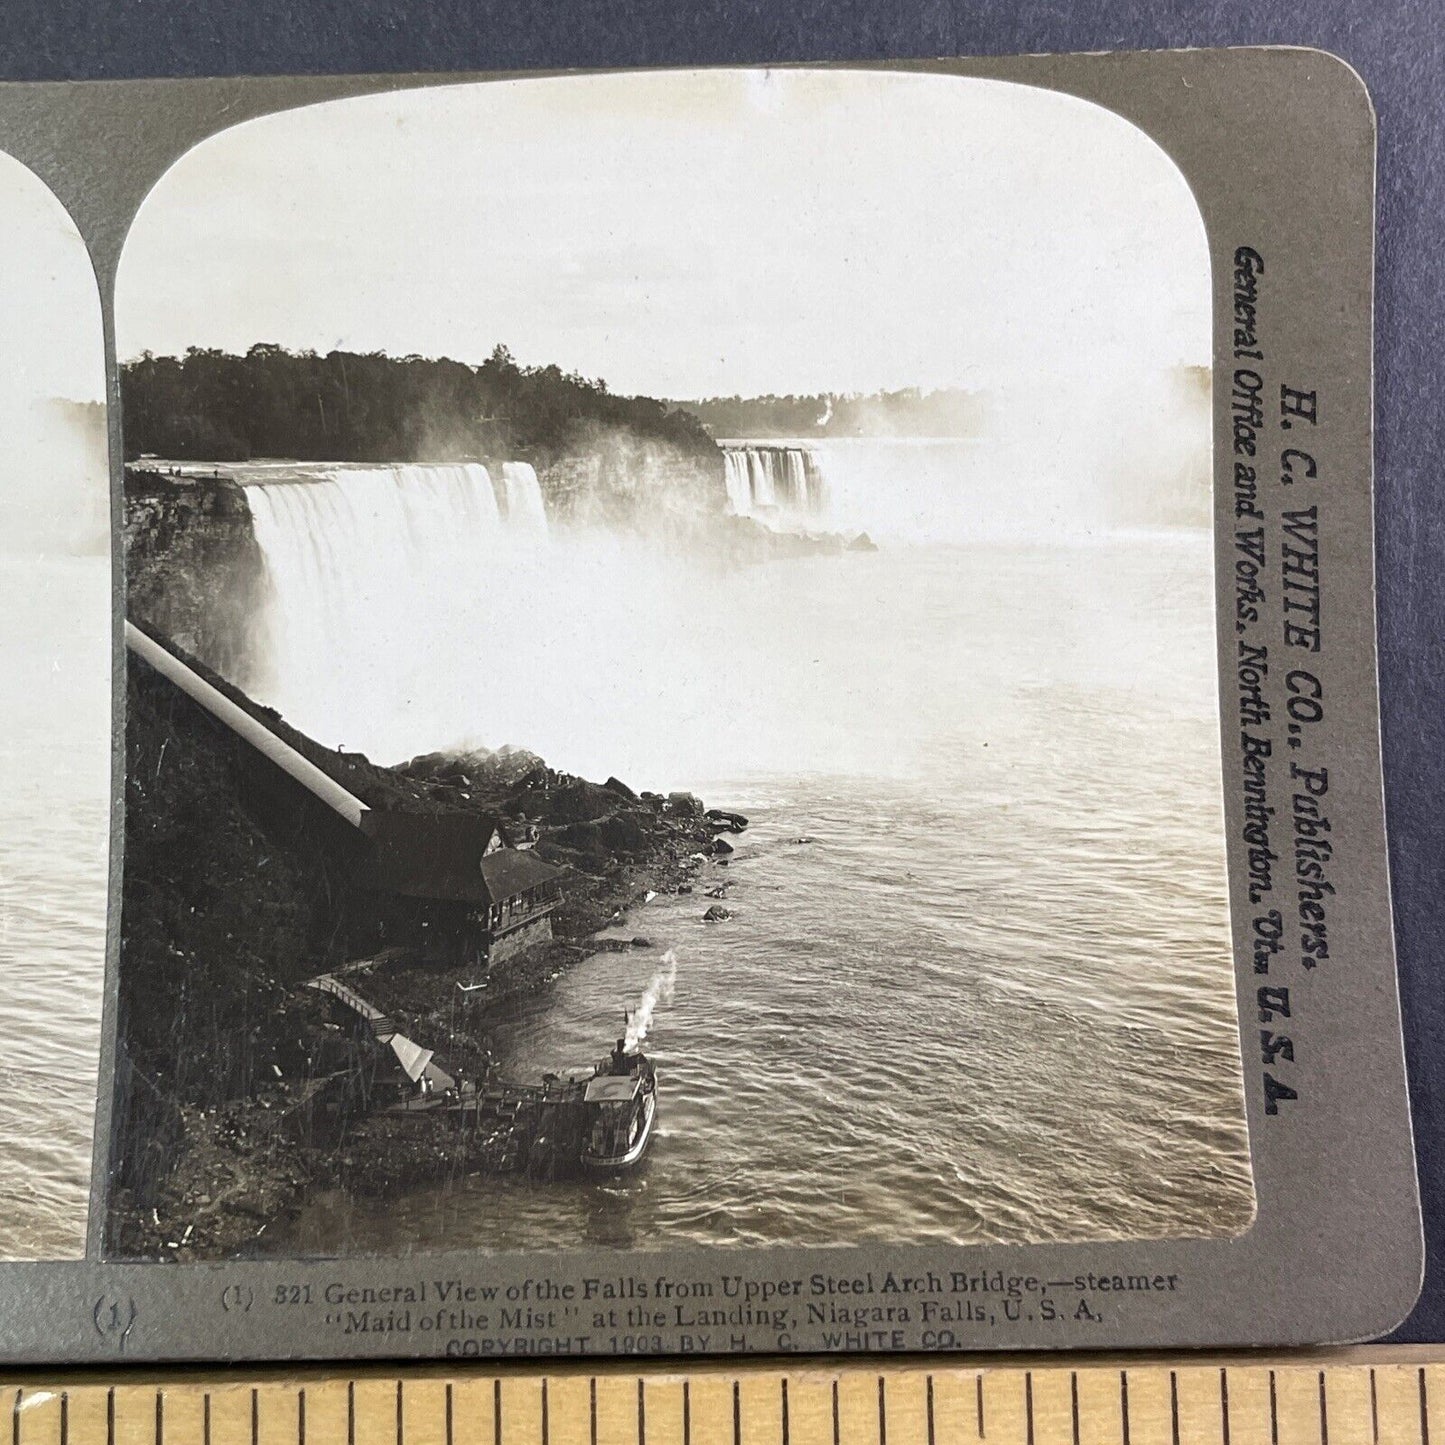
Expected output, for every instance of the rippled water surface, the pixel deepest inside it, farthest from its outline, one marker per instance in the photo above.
(54, 832)
(990, 998)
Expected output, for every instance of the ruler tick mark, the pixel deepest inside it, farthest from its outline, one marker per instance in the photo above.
(15, 1417)
(1273, 1412)
(1174, 1407)
(110, 1418)
(160, 1416)
(1324, 1413)
(301, 1416)
(928, 1399)
(449, 1413)
(1074, 1402)
(641, 1415)
(206, 1418)
(1029, 1406)
(546, 1423)
(65, 1417)
(1124, 1405)
(835, 1413)
(497, 1411)
(686, 1416)
(737, 1414)
(783, 1393)
(1374, 1409)
(255, 1417)
(592, 1408)
(401, 1418)
(351, 1412)
(1224, 1404)
(1424, 1411)
(882, 1414)
(978, 1397)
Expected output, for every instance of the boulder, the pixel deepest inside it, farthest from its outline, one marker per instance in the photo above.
(585, 843)
(685, 803)
(583, 837)
(862, 543)
(719, 846)
(733, 822)
(616, 785)
(716, 914)
(578, 801)
(624, 834)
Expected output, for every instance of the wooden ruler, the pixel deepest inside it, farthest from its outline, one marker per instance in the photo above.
(1370, 1396)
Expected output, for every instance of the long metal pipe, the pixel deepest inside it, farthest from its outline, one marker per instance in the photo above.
(215, 702)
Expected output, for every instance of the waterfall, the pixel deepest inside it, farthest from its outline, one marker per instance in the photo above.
(406, 609)
(778, 484)
(740, 490)
(521, 499)
(365, 526)
(351, 552)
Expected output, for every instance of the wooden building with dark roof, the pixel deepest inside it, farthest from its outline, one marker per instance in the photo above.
(450, 882)
(467, 864)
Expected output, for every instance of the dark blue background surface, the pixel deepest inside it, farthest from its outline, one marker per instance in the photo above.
(1396, 46)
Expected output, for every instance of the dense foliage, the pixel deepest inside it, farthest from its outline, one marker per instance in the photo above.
(910, 412)
(344, 406)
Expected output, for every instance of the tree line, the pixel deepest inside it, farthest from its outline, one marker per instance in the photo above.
(348, 406)
(950, 412)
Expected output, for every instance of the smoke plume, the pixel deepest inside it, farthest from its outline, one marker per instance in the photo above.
(658, 991)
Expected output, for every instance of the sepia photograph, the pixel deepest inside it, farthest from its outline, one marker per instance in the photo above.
(55, 746)
(672, 682)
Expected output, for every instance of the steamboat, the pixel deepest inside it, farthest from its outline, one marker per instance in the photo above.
(621, 1100)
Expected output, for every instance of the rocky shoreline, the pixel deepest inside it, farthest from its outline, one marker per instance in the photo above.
(225, 1056)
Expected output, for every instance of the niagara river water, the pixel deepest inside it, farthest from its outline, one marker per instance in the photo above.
(977, 982)
(54, 842)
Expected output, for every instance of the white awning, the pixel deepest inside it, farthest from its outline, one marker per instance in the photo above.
(412, 1057)
(611, 1089)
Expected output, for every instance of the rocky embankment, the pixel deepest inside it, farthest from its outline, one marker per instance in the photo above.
(612, 477)
(194, 569)
(228, 908)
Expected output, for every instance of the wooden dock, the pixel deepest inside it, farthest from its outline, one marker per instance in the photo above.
(532, 1128)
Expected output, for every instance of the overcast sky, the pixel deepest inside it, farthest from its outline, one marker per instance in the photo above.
(687, 233)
